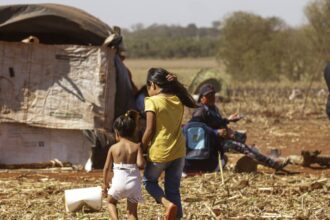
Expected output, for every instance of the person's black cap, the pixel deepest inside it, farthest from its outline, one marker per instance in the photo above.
(205, 89)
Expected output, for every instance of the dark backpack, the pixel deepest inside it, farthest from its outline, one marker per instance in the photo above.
(198, 140)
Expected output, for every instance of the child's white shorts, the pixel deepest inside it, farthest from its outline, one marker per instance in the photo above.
(126, 183)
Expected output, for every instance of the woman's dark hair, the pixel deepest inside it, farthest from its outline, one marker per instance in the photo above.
(158, 76)
(125, 124)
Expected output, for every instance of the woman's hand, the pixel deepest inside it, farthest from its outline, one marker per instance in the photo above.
(222, 132)
(226, 133)
(230, 133)
(171, 77)
(234, 117)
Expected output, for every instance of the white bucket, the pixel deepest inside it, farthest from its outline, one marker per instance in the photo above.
(76, 198)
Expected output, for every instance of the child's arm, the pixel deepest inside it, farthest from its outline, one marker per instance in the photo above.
(107, 172)
(140, 160)
(150, 129)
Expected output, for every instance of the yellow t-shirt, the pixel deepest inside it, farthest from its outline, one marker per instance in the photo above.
(168, 142)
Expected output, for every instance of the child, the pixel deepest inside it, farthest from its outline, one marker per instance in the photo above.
(164, 112)
(121, 167)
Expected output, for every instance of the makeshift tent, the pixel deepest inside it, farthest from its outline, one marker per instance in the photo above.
(50, 92)
(52, 24)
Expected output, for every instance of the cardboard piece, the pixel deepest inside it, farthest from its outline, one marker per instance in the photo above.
(21, 144)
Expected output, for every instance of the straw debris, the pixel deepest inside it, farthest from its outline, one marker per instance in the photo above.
(34, 195)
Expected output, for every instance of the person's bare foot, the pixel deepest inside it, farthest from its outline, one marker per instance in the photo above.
(170, 213)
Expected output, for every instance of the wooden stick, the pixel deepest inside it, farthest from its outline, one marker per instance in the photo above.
(221, 171)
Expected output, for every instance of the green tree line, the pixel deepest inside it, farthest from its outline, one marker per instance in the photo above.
(162, 41)
(248, 45)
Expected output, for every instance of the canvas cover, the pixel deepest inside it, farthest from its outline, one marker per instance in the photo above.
(57, 86)
(21, 144)
(52, 24)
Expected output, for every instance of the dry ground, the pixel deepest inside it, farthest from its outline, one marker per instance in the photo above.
(39, 194)
(271, 121)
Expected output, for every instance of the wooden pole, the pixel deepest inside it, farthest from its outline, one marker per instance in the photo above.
(221, 171)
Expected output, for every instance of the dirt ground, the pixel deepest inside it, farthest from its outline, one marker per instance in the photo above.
(301, 194)
(291, 137)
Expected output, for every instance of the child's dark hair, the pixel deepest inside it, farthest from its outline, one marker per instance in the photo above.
(158, 76)
(125, 124)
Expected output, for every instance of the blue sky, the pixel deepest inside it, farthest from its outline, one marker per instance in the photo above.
(126, 13)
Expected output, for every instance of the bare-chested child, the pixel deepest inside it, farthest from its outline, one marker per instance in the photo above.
(122, 167)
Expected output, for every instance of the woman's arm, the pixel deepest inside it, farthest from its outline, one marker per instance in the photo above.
(107, 172)
(140, 160)
(150, 130)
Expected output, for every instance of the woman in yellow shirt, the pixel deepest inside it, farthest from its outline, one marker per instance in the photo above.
(164, 140)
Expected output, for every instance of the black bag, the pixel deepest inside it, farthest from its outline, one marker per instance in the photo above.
(198, 140)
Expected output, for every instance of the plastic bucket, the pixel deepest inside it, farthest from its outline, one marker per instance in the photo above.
(76, 198)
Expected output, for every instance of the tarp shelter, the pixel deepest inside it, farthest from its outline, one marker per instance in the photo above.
(52, 24)
(51, 91)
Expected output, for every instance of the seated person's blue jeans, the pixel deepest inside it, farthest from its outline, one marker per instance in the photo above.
(250, 152)
(173, 172)
(240, 137)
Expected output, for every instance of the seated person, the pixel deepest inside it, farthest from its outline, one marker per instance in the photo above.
(227, 139)
(209, 114)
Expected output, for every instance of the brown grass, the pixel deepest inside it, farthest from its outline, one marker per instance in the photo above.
(184, 68)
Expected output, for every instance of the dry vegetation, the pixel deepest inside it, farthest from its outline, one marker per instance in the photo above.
(38, 195)
(184, 68)
(272, 120)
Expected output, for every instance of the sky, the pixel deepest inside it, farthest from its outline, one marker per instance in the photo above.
(127, 13)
